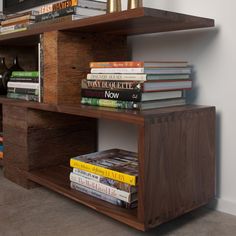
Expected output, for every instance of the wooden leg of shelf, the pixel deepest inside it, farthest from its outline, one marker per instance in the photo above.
(179, 164)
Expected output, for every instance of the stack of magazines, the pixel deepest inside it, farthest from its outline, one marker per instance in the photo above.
(109, 175)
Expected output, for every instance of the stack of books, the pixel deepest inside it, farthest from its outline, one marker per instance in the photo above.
(18, 22)
(24, 85)
(1, 145)
(136, 84)
(72, 9)
(109, 175)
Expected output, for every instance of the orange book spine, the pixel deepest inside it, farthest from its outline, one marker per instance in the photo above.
(117, 64)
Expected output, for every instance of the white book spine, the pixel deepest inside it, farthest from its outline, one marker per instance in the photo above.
(119, 194)
(117, 70)
(87, 174)
(126, 77)
(23, 85)
(96, 194)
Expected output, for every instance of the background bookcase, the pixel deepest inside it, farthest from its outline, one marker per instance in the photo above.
(176, 145)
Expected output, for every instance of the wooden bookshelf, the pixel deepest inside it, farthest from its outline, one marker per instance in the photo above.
(176, 145)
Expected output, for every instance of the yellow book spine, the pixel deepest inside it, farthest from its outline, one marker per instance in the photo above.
(111, 174)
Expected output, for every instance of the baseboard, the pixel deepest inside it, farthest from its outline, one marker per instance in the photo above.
(223, 206)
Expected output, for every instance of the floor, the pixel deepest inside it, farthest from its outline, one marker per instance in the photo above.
(39, 212)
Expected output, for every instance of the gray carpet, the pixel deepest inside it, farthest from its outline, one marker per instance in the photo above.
(39, 212)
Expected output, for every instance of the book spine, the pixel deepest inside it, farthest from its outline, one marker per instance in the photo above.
(98, 170)
(23, 85)
(17, 19)
(108, 103)
(55, 14)
(25, 74)
(119, 194)
(117, 70)
(26, 97)
(126, 77)
(122, 95)
(112, 183)
(13, 27)
(102, 196)
(24, 79)
(64, 4)
(117, 64)
(23, 91)
(50, 22)
(14, 31)
(108, 84)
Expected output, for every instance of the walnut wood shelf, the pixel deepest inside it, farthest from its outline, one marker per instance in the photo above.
(57, 179)
(131, 22)
(176, 145)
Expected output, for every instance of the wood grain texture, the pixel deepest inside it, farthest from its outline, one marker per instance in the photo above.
(179, 164)
(56, 178)
(136, 21)
(67, 57)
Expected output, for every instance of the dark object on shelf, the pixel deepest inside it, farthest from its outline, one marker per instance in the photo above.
(3, 71)
(7, 74)
(13, 6)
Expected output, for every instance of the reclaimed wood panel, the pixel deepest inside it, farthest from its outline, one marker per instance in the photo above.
(67, 56)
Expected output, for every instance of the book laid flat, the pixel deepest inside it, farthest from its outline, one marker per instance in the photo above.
(114, 164)
(103, 196)
(133, 105)
(143, 70)
(135, 95)
(133, 64)
(136, 77)
(103, 188)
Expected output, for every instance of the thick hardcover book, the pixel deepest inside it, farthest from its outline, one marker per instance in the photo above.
(23, 91)
(25, 74)
(26, 97)
(64, 4)
(108, 103)
(110, 182)
(133, 105)
(126, 77)
(18, 20)
(11, 28)
(115, 164)
(145, 70)
(133, 64)
(103, 196)
(23, 85)
(129, 94)
(103, 188)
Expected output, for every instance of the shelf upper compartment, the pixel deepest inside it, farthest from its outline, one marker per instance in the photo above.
(131, 22)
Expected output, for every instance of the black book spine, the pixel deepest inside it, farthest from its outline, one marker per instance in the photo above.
(122, 95)
(23, 91)
(24, 79)
(55, 14)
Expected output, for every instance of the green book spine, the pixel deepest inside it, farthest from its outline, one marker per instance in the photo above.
(25, 74)
(108, 103)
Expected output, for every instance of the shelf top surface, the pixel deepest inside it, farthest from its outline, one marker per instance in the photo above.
(129, 116)
(130, 22)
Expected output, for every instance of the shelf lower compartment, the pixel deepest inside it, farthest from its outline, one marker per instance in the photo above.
(57, 179)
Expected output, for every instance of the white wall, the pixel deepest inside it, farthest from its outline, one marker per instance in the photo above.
(212, 52)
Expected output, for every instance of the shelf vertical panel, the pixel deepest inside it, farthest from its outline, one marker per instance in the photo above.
(67, 56)
(179, 164)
